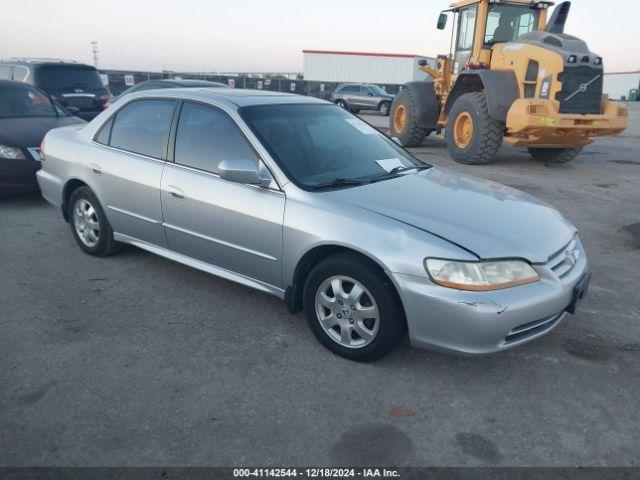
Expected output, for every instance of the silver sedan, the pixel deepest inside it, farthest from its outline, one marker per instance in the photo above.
(298, 198)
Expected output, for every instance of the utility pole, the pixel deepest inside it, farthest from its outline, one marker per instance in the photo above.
(94, 49)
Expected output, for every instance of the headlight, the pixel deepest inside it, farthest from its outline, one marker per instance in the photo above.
(12, 153)
(480, 276)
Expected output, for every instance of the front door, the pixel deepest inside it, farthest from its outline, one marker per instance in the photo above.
(230, 225)
(466, 32)
(126, 173)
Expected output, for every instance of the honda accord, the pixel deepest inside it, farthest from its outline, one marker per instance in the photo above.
(297, 197)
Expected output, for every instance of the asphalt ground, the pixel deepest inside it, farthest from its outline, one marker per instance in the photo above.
(134, 360)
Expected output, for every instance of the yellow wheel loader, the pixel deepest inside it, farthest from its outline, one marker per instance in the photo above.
(511, 77)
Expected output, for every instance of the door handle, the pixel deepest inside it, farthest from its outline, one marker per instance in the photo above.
(175, 192)
(95, 169)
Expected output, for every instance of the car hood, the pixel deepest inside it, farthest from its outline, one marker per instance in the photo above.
(484, 217)
(29, 132)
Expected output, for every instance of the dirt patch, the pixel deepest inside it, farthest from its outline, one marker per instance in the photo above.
(592, 350)
(479, 447)
(634, 230)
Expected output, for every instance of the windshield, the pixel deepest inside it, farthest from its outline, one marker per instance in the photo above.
(21, 101)
(378, 91)
(319, 144)
(508, 22)
(67, 77)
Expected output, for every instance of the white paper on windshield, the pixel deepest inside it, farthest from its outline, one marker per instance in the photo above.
(390, 163)
(361, 126)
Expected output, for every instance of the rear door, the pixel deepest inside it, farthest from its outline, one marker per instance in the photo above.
(127, 164)
(230, 225)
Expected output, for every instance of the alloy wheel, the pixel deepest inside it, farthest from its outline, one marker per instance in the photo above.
(86, 223)
(347, 312)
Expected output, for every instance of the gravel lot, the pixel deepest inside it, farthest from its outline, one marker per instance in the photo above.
(135, 360)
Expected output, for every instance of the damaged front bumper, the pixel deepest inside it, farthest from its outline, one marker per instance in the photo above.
(486, 322)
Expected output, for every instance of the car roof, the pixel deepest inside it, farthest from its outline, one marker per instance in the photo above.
(230, 96)
(41, 62)
(14, 84)
(192, 82)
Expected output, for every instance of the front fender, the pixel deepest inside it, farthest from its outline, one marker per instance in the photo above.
(500, 87)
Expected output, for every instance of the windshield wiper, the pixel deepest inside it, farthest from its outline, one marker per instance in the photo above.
(400, 169)
(338, 182)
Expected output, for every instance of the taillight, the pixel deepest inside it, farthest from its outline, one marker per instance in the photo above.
(105, 97)
(478, 66)
(42, 150)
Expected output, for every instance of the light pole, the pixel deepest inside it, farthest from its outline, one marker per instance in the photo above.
(94, 49)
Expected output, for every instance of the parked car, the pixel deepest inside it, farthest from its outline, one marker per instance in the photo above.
(362, 97)
(168, 83)
(71, 84)
(26, 115)
(296, 197)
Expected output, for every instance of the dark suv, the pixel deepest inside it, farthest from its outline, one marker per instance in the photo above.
(363, 97)
(69, 83)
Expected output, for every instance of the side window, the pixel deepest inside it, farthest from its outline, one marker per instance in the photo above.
(5, 72)
(466, 33)
(206, 136)
(105, 133)
(19, 73)
(142, 127)
(365, 91)
(467, 28)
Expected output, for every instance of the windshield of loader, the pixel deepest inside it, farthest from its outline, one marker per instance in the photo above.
(508, 22)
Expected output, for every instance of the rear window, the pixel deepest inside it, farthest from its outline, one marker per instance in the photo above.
(142, 127)
(20, 102)
(60, 77)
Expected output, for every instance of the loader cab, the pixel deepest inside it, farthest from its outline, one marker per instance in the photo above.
(479, 25)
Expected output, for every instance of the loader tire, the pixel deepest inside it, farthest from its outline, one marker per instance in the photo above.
(403, 120)
(473, 137)
(555, 155)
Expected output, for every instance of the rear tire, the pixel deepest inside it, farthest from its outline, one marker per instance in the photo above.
(403, 120)
(342, 104)
(555, 155)
(473, 137)
(89, 224)
(364, 339)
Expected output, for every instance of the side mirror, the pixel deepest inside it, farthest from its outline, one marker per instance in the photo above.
(243, 171)
(442, 21)
(370, 94)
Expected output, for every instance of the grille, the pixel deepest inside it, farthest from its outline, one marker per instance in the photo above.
(581, 90)
(563, 262)
(533, 328)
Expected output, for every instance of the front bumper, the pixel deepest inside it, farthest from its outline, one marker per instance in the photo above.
(536, 122)
(487, 322)
(18, 175)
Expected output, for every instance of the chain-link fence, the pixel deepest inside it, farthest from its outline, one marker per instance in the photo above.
(120, 80)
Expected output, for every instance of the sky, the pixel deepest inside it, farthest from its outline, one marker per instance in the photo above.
(266, 35)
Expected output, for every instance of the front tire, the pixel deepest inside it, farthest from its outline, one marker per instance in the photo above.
(473, 137)
(342, 104)
(352, 308)
(89, 224)
(403, 121)
(555, 155)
